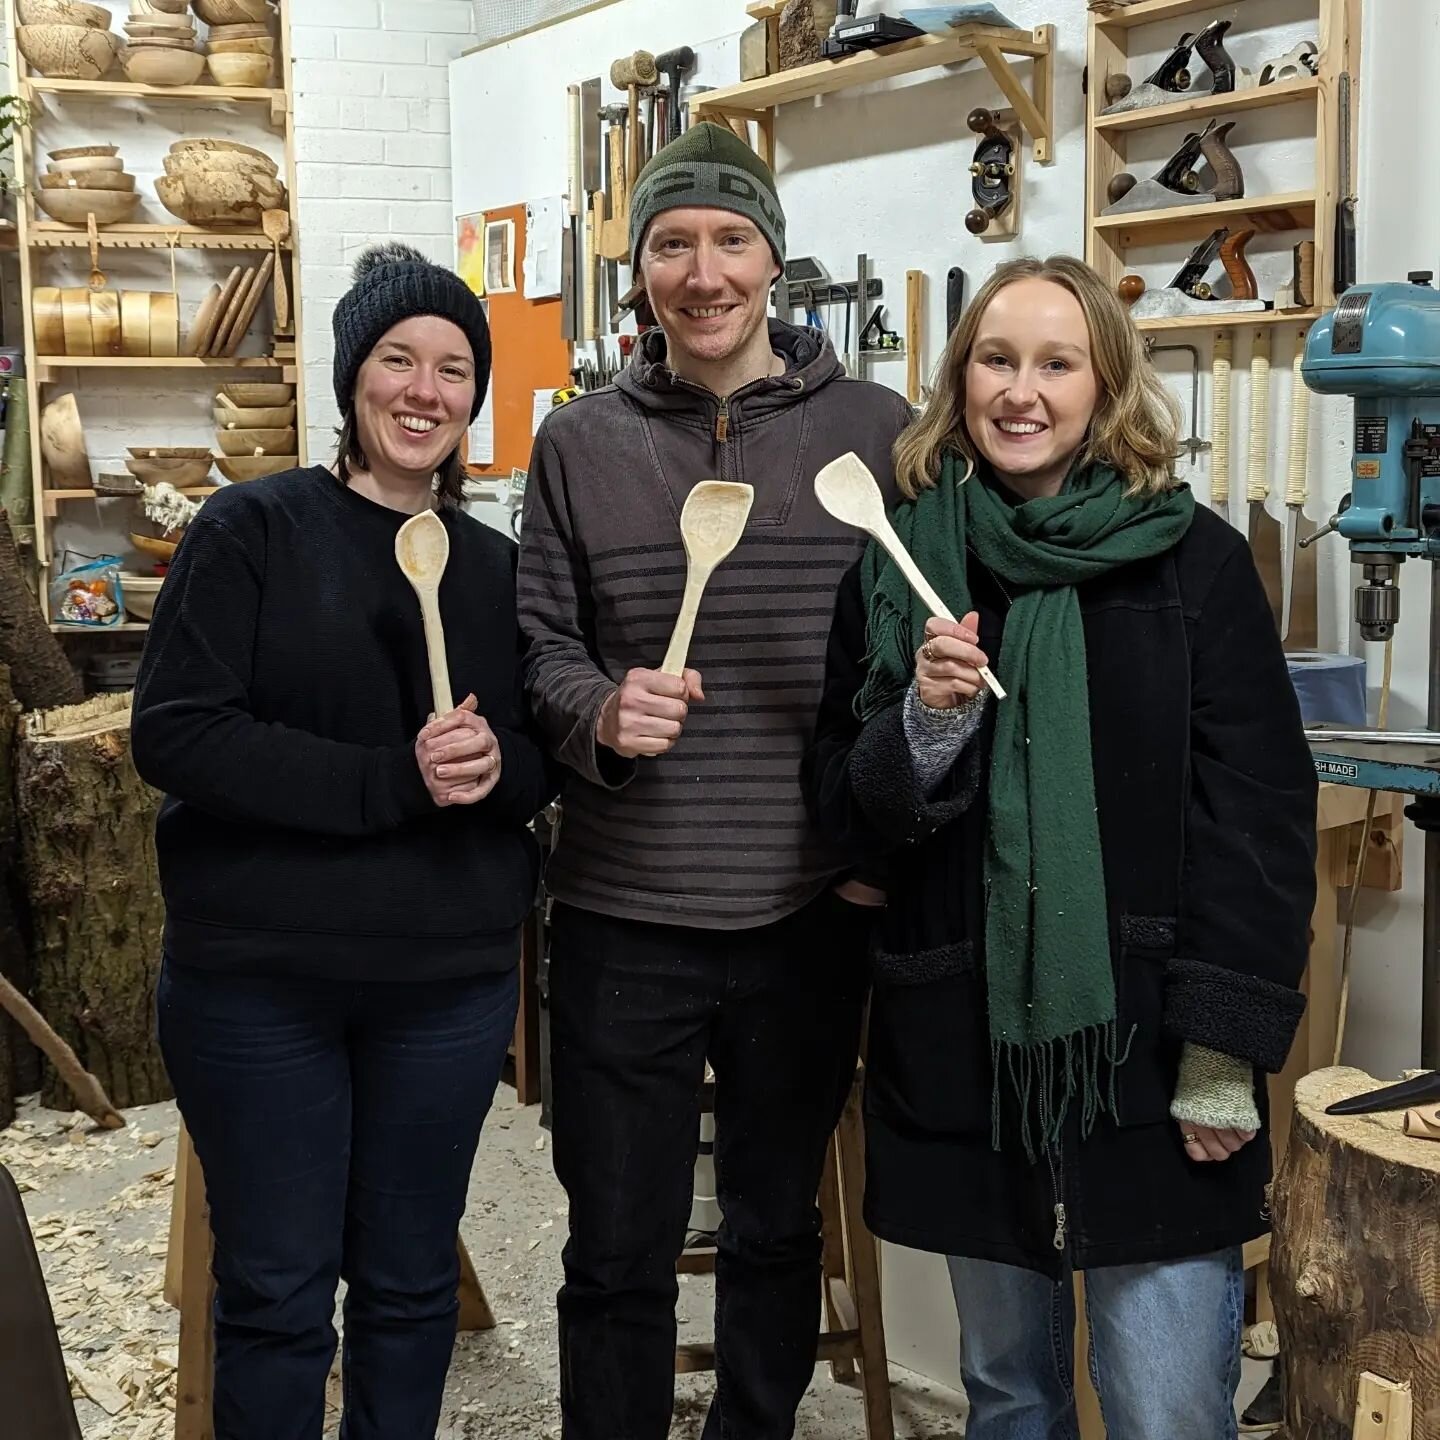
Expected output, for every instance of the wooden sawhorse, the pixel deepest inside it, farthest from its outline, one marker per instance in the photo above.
(190, 1287)
(853, 1340)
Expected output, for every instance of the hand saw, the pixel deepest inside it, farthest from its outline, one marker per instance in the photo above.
(1298, 619)
(1265, 537)
(1220, 423)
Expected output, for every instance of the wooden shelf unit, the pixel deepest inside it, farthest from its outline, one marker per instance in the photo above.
(758, 100)
(52, 235)
(1310, 212)
(36, 238)
(278, 101)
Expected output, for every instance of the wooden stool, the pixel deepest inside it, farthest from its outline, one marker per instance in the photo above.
(854, 1334)
(190, 1287)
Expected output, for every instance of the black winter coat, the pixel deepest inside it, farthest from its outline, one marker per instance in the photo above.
(1206, 795)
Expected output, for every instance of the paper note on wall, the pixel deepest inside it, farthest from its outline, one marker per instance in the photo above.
(482, 432)
(545, 222)
(543, 404)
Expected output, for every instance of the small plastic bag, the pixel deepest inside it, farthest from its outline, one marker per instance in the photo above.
(89, 594)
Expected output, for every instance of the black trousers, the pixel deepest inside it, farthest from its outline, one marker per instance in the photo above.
(635, 1010)
(336, 1124)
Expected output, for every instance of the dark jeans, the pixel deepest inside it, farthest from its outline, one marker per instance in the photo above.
(336, 1125)
(635, 1009)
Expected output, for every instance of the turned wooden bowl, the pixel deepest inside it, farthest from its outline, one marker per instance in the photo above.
(68, 52)
(72, 206)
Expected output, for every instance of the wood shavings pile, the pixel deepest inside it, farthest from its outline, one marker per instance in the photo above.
(104, 1262)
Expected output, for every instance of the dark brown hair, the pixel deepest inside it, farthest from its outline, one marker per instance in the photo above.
(449, 478)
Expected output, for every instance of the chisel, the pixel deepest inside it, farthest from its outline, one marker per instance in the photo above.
(1265, 538)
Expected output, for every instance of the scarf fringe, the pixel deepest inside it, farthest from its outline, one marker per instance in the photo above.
(1045, 1079)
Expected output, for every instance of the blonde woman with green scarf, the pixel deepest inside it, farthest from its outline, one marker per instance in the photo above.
(1099, 887)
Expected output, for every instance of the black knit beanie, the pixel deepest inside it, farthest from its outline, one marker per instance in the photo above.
(709, 165)
(395, 282)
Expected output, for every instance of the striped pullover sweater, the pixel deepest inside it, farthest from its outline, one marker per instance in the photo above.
(714, 834)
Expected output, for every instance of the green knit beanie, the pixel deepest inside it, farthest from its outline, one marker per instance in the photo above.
(708, 165)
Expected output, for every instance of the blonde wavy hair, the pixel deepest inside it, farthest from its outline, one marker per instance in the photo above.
(1136, 424)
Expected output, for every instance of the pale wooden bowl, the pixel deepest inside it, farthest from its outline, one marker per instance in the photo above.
(149, 545)
(210, 143)
(250, 443)
(233, 12)
(200, 162)
(220, 198)
(88, 180)
(70, 207)
(262, 45)
(152, 65)
(179, 473)
(238, 469)
(74, 164)
(63, 12)
(68, 52)
(249, 72)
(257, 417)
(257, 393)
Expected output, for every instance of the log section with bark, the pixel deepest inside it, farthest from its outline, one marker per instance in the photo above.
(87, 824)
(40, 672)
(1355, 1260)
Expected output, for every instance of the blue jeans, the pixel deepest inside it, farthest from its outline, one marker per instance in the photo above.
(336, 1125)
(1164, 1348)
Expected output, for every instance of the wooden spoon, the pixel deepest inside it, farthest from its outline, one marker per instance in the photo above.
(422, 549)
(276, 224)
(711, 524)
(847, 489)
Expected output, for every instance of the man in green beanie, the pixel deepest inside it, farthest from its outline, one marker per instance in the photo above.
(698, 915)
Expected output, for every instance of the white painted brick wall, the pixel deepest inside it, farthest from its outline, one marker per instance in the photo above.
(372, 124)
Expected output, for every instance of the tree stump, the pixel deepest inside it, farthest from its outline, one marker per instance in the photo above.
(87, 824)
(1355, 1263)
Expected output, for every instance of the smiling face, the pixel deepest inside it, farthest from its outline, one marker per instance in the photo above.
(413, 397)
(708, 275)
(1031, 386)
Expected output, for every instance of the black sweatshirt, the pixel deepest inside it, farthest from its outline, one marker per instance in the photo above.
(283, 684)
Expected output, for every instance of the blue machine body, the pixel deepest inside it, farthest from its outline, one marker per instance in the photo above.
(1381, 345)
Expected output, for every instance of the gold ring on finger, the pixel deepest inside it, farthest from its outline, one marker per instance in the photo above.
(928, 653)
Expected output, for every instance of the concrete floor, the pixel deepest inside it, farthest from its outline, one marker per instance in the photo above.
(99, 1203)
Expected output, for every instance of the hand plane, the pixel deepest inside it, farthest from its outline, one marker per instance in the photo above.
(993, 172)
(1177, 182)
(1173, 76)
(1189, 293)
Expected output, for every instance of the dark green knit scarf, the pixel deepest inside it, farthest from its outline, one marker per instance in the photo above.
(1051, 996)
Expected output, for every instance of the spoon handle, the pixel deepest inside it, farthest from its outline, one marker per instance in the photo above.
(435, 650)
(884, 532)
(679, 650)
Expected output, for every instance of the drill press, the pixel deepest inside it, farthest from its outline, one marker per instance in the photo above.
(1381, 345)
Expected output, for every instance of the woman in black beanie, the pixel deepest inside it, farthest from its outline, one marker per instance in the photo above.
(345, 875)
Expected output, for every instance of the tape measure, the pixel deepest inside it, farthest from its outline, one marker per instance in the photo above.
(564, 395)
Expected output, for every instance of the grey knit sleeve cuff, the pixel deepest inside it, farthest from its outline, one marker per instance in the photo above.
(937, 738)
(1215, 1090)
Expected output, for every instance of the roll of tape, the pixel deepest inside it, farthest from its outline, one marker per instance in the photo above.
(1331, 688)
